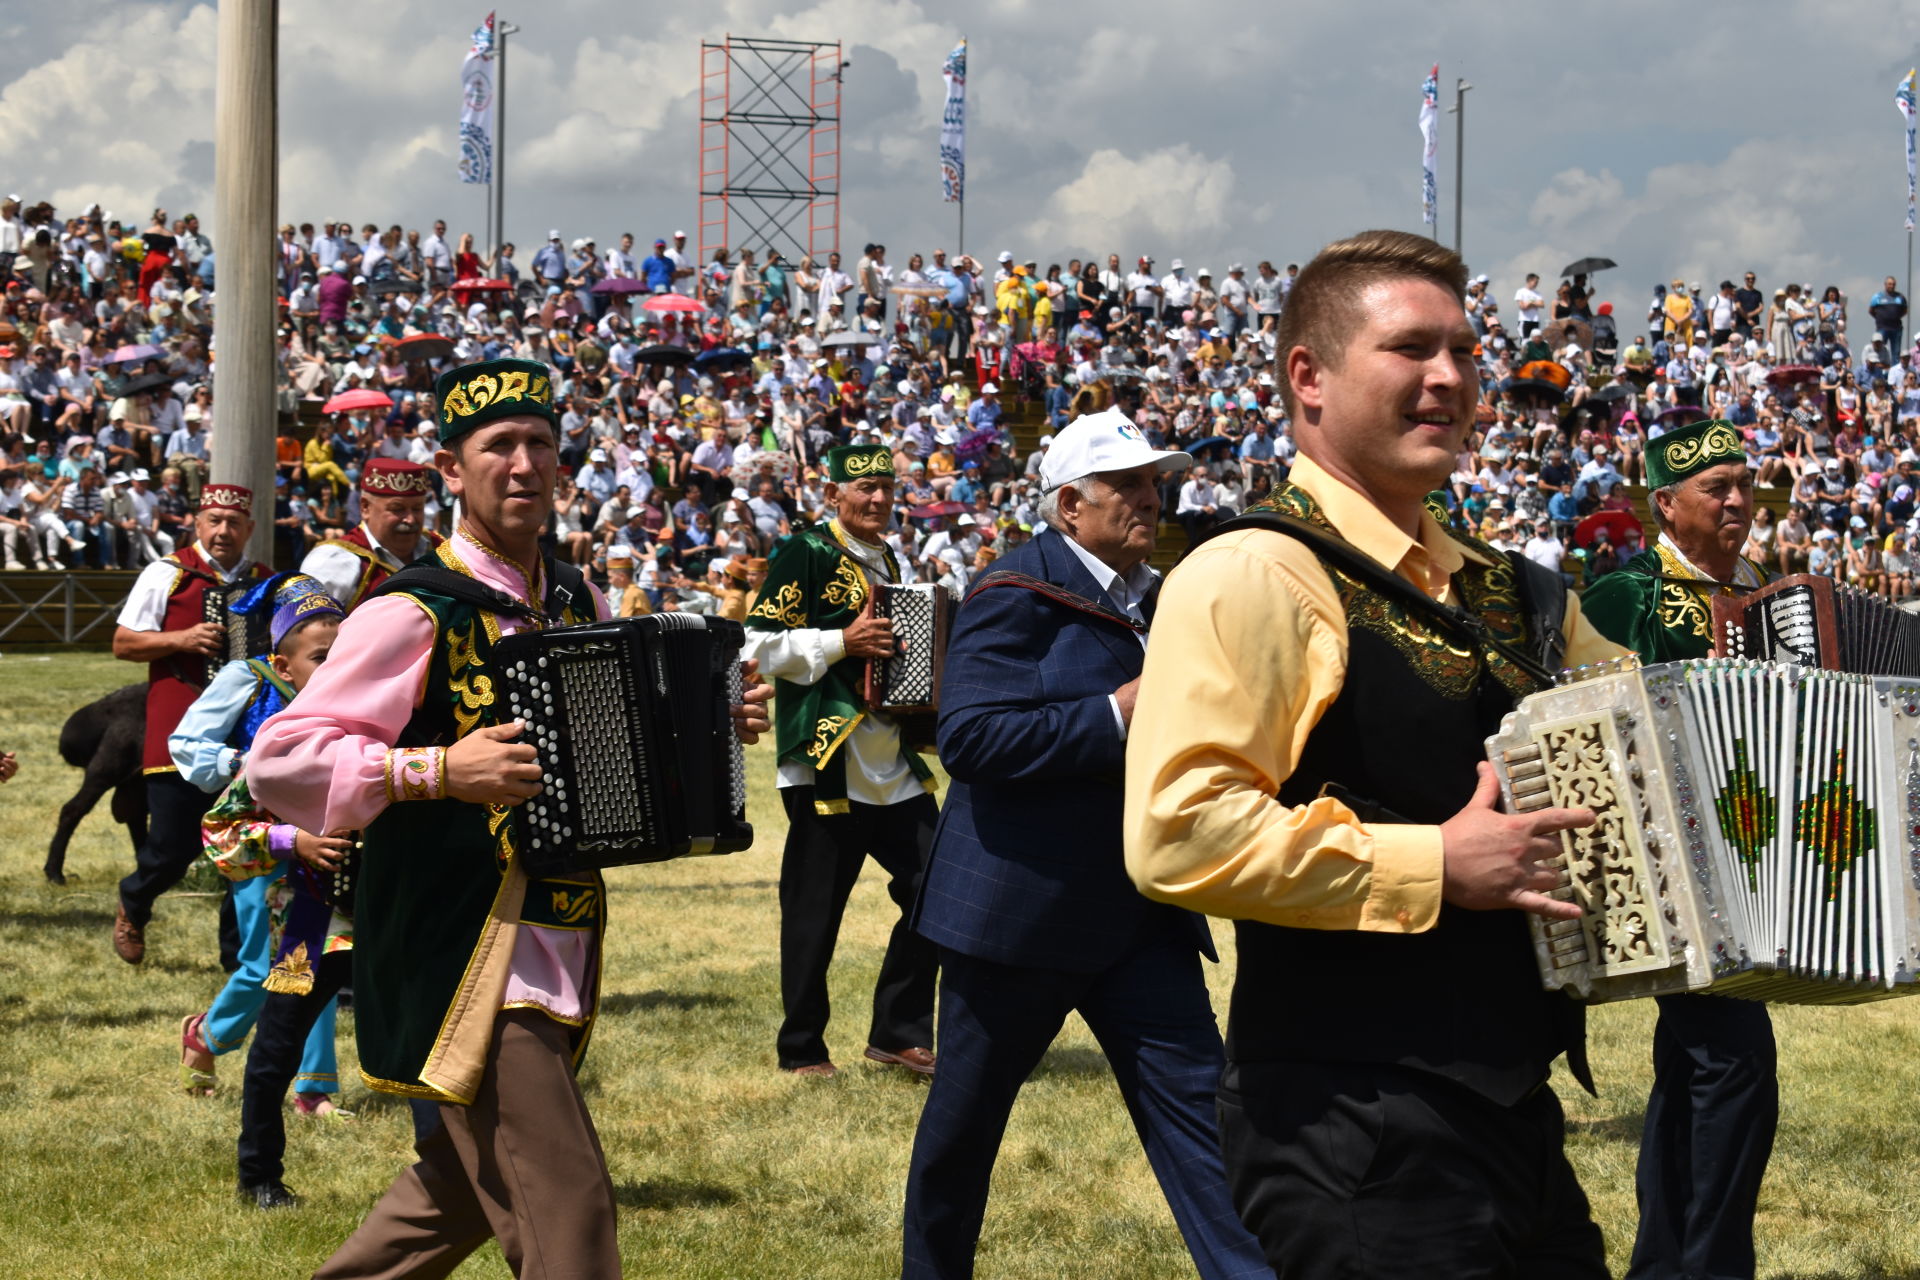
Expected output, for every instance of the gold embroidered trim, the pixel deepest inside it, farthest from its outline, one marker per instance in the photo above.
(848, 588)
(468, 398)
(783, 607)
(828, 733)
(557, 1016)
(474, 690)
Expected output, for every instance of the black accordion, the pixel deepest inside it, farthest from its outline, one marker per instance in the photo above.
(632, 720)
(1817, 622)
(909, 681)
(247, 635)
(335, 887)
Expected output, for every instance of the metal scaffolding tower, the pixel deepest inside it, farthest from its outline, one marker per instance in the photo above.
(770, 146)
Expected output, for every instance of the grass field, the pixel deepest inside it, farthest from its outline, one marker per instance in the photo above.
(725, 1168)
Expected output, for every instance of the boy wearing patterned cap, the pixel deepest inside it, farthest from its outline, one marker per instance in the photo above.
(208, 747)
(289, 934)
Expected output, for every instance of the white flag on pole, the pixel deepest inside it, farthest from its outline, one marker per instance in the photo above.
(953, 126)
(1903, 99)
(1429, 132)
(476, 107)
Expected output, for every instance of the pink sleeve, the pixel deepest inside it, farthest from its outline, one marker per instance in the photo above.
(322, 763)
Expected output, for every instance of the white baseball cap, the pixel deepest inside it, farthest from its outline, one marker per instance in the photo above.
(1006, 255)
(989, 388)
(1104, 441)
(1178, 265)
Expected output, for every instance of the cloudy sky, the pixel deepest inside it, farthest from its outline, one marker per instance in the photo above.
(1762, 135)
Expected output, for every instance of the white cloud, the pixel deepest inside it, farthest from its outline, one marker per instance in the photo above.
(1169, 196)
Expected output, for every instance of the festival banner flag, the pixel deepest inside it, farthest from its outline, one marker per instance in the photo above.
(1429, 132)
(953, 126)
(1903, 99)
(476, 107)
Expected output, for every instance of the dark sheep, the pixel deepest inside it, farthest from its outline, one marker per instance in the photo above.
(105, 738)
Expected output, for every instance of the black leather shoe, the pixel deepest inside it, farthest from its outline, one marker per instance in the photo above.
(269, 1195)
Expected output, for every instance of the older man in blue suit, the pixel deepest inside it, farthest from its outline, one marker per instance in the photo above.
(1026, 894)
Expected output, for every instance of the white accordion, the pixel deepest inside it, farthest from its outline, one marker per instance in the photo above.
(1758, 829)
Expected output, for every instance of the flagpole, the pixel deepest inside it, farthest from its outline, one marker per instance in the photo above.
(498, 192)
(1459, 157)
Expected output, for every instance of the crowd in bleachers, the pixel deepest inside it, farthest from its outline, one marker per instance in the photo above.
(701, 395)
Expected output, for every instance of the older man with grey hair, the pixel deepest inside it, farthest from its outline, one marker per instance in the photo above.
(1026, 893)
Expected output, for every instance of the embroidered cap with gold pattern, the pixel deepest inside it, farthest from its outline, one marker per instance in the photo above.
(1689, 450)
(858, 461)
(475, 394)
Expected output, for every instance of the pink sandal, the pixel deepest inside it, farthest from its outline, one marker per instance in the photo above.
(196, 1060)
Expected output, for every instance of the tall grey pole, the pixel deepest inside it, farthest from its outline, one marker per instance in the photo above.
(246, 154)
(501, 30)
(1459, 110)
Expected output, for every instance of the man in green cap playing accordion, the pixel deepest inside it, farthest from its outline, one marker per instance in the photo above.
(850, 786)
(1715, 1101)
(476, 984)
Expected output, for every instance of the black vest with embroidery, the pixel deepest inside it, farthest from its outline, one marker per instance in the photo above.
(1462, 999)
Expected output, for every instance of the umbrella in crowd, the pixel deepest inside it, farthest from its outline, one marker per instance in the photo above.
(1612, 393)
(666, 303)
(1586, 267)
(621, 284)
(389, 285)
(1792, 375)
(722, 360)
(1211, 442)
(424, 346)
(1542, 378)
(848, 338)
(127, 355)
(1679, 411)
(1559, 333)
(662, 353)
(146, 382)
(780, 466)
(933, 509)
(359, 398)
(480, 284)
(1616, 523)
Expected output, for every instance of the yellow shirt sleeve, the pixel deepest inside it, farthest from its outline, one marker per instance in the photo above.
(1248, 651)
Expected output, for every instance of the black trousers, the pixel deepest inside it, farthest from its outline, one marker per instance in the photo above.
(1354, 1171)
(174, 809)
(272, 1063)
(1711, 1117)
(823, 858)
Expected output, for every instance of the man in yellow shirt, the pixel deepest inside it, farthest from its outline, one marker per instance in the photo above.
(1306, 759)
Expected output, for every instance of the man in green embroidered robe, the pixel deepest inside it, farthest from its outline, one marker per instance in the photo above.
(850, 786)
(1715, 1101)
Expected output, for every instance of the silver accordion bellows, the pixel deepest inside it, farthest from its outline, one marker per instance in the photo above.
(1758, 829)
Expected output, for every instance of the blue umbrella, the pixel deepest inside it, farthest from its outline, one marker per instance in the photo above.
(722, 360)
(1208, 443)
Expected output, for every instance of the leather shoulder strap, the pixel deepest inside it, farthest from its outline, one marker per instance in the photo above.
(1337, 552)
(1056, 593)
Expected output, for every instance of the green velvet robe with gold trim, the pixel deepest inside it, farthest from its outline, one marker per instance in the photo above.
(439, 899)
(814, 583)
(1642, 606)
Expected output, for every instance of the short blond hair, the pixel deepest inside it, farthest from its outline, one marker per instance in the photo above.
(1323, 308)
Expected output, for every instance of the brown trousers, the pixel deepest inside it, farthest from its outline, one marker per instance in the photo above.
(522, 1164)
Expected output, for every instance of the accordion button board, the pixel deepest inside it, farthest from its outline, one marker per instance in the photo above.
(1757, 833)
(631, 723)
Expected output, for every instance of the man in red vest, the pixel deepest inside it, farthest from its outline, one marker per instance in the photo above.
(169, 623)
(391, 532)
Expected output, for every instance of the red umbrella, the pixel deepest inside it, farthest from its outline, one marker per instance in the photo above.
(1788, 375)
(1616, 523)
(933, 509)
(662, 303)
(479, 284)
(362, 398)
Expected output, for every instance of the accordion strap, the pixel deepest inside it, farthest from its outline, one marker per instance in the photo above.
(566, 586)
(1349, 559)
(1056, 593)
